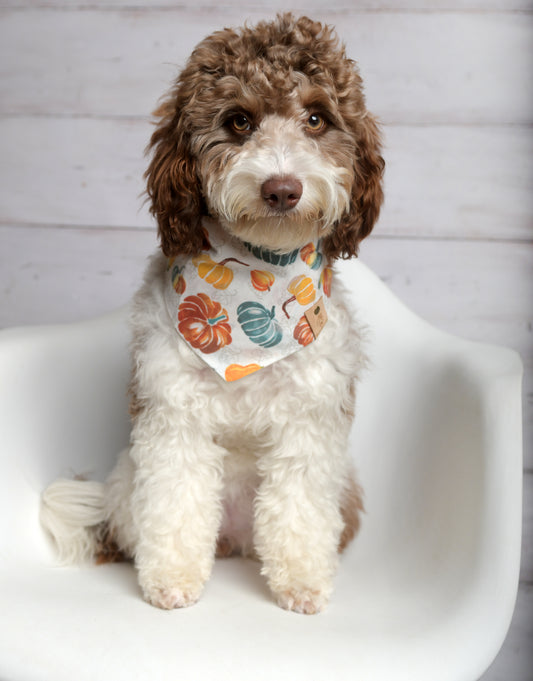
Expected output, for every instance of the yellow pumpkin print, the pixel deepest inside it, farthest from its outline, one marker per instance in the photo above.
(215, 273)
(303, 291)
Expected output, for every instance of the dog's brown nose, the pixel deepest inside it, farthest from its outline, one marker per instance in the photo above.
(282, 193)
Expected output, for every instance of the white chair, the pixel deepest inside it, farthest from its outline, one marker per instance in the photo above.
(426, 592)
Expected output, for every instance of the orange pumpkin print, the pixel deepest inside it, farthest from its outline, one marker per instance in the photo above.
(178, 280)
(204, 323)
(215, 273)
(325, 280)
(262, 280)
(311, 256)
(235, 371)
(303, 333)
(303, 291)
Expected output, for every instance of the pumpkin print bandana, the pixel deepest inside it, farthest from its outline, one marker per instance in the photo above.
(241, 307)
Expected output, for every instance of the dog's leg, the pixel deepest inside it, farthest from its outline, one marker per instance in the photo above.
(176, 509)
(298, 518)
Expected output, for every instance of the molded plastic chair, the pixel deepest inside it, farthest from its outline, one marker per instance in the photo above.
(426, 592)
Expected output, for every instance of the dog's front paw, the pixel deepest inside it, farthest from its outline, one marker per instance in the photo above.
(303, 601)
(167, 599)
(174, 594)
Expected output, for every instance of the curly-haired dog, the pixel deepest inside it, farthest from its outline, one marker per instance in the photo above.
(265, 168)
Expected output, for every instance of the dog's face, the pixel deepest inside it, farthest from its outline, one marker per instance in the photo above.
(275, 184)
(266, 130)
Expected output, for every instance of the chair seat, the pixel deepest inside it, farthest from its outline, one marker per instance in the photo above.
(426, 592)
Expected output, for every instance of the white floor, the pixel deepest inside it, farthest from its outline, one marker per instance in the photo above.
(452, 86)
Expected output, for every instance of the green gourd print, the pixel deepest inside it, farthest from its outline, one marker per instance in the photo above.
(259, 324)
(271, 257)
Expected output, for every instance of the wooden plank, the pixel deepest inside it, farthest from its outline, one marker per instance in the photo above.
(448, 67)
(296, 5)
(53, 275)
(459, 182)
(73, 171)
(440, 181)
(477, 289)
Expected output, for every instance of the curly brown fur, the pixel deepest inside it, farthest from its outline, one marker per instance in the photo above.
(107, 550)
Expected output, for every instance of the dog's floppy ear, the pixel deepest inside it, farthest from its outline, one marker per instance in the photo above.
(367, 194)
(173, 186)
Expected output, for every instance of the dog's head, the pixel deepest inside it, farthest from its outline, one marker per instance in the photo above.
(266, 130)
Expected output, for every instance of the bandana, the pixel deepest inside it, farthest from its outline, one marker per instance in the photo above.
(241, 307)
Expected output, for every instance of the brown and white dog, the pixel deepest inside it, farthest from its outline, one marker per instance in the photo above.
(265, 138)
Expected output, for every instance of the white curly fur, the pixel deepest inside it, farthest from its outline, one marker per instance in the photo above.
(261, 462)
(281, 433)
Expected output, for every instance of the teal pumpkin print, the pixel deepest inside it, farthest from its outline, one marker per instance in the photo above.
(271, 257)
(259, 324)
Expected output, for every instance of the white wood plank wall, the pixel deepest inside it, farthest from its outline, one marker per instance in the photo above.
(452, 81)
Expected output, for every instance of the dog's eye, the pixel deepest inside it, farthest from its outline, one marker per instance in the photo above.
(315, 123)
(240, 123)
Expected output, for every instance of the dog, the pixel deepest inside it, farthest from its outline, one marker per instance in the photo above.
(265, 167)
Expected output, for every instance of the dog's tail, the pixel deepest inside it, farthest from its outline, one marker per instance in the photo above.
(72, 511)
